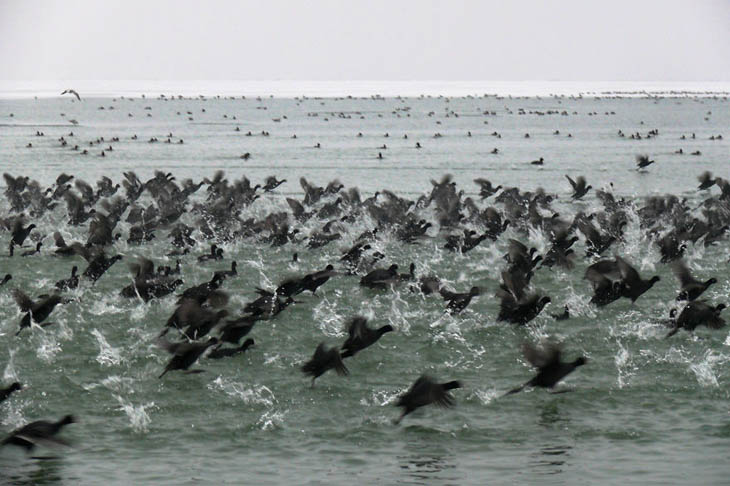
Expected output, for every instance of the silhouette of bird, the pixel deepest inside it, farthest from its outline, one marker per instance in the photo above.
(184, 354)
(550, 369)
(40, 432)
(360, 336)
(324, 359)
(425, 391)
(71, 91)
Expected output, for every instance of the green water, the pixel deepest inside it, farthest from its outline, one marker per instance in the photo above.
(645, 410)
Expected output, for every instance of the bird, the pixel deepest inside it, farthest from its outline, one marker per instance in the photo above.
(324, 359)
(550, 369)
(698, 313)
(219, 353)
(458, 301)
(71, 91)
(380, 278)
(360, 336)
(37, 311)
(579, 187)
(6, 392)
(633, 285)
(691, 288)
(69, 283)
(40, 432)
(425, 391)
(642, 162)
(184, 353)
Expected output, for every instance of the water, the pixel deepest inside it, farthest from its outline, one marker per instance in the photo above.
(643, 411)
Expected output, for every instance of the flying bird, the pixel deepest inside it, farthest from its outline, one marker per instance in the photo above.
(71, 91)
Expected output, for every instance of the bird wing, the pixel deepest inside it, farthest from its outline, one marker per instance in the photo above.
(628, 273)
(540, 357)
(682, 273)
(24, 302)
(572, 182)
(357, 327)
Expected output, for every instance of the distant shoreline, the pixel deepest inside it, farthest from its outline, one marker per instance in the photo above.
(358, 89)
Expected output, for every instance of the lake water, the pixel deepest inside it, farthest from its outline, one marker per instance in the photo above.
(644, 410)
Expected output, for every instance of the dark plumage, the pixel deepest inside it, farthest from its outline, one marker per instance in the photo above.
(184, 354)
(219, 352)
(642, 162)
(691, 288)
(698, 313)
(579, 187)
(6, 392)
(380, 278)
(324, 359)
(99, 265)
(360, 336)
(426, 391)
(634, 285)
(69, 283)
(38, 311)
(550, 369)
(457, 302)
(38, 433)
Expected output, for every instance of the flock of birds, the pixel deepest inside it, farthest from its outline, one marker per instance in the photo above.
(204, 327)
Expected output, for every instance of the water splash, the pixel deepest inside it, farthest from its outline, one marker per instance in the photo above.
(139, 419)
(108, 355)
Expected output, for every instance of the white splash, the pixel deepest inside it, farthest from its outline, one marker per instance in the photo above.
(138, 416)
(108, 355)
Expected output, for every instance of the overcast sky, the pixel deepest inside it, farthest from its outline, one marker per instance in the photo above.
(575, 40)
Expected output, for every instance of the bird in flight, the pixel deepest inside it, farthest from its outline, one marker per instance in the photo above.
(73, 92)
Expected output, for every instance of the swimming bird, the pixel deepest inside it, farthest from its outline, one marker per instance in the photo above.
(33, 252)
(706, 180)
(550, 369)
(360, 336)
(71, 91)
(40, 432)
(690, 287)
(38, 311)
(70, 283)
(184, 354)
(315, 280)
(425, 391)
(6, 392)
(324, 359)
(540, 161)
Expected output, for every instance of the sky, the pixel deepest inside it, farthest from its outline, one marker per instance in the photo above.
(399, 40)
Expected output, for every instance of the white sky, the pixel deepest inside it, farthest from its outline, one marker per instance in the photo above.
(573, 40)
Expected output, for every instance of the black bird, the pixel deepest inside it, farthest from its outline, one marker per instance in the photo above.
(360, 336)
(73, 92)
(69, 283)
(698, 313)
(20, 233)
(99, 265)
(315, 280)
(550, 369)
(706, 181)
(642, 161)
(380, 278)
(458, 301)
(426, 391)
(38, 311)
(33, 252)
(6, 392)
(691, 288)
(272, 183)
(228, 273)
(233, 330)
(38, 433)
(219, 352)
(485, 188)
(634, 285)
(579, 186)
(215, 254)
(184, 353)
(324, 359)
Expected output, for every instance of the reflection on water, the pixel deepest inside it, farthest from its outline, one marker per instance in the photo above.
(550, 459)
(37, 470)
(428, 467)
